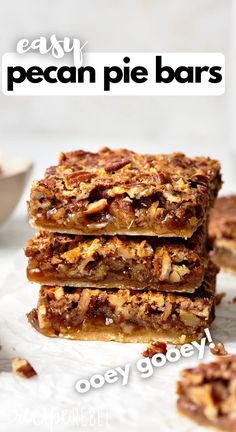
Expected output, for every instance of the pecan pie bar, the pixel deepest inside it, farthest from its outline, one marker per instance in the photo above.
(121, 192)
(207, 394)
(118, 262)
(222, 232)
(125, 315)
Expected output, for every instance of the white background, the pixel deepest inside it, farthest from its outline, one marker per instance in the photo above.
(198, 124)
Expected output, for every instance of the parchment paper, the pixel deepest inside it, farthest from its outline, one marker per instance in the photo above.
(49, 402)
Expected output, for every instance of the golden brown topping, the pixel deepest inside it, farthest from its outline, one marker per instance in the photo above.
(22, 368)
(142, 315)
(162, 194)
(130, 260)
(126, 304)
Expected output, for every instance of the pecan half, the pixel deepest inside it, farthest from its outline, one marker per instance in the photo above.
(115, 165)
(75, 178)
(96, 207)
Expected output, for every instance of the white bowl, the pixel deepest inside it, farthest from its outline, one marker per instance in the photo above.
(14, 175)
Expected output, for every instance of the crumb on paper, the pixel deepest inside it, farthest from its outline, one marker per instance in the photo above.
(22, 367)
(219, 349)
(233, 300)
(219, 297)
(155, 348)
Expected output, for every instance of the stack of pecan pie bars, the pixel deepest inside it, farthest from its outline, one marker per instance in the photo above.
(121, 253)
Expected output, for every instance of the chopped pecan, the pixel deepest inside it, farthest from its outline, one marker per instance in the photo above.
(56, 214)
(178, 273)
(153, 211)
(122, 210)
(116, 165)
(77, 177)
(199, 178)
(175, 277)
(96, 207)
(162, 263)
(219, 349)
(167, 312)
(73, 156)
(188, 318)
(173, 198)
(155, 348)
(42, 315)
(73, 255)
(59, 293)
(22, 368)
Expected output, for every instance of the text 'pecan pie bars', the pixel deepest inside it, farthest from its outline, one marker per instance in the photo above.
(122, 249)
